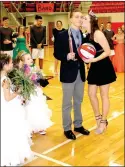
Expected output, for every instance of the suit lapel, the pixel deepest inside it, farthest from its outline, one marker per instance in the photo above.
(82, 37)
(74, 45)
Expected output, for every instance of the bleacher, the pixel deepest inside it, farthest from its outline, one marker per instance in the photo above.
(21, 6)
(30, 6)
(107, 6)
(64, 6)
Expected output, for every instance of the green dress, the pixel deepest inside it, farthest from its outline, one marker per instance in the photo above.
(20, 45)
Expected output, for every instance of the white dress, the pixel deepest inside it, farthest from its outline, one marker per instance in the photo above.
(37, 112)
(15, 133)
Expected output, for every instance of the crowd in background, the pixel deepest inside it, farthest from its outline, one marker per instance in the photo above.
(10, 43)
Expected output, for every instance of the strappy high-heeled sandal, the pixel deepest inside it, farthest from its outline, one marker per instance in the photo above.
(98, 119)
(101, 130)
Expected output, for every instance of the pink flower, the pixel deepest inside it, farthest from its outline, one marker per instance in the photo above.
(27, 69)
(34, 77)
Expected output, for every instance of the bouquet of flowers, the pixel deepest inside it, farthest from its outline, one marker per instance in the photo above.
(35, 75)
(22, 82)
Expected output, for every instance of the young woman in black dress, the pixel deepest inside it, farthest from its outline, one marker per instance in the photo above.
(101, 72)
(56, 31)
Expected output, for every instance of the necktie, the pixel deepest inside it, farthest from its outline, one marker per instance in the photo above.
(77, 45)
(77, 40)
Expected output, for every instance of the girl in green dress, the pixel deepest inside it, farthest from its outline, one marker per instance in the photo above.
(21, 43)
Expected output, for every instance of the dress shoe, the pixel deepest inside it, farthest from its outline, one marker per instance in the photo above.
(82, 130)
(69, 134)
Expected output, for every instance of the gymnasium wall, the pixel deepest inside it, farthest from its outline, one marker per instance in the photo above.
(50, 18)
(117, 19)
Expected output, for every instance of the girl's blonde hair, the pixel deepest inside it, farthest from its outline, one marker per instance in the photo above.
(20, 57)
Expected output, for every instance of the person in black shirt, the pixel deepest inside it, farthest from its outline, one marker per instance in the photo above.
(56, 31)
(101, 28)
(6, 38)
(109, 33)
(37, 40)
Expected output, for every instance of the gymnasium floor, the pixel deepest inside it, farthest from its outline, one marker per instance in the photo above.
(107, 149)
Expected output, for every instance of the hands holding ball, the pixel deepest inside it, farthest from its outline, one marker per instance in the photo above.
(87, 52)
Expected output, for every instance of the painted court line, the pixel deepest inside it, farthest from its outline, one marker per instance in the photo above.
(114, 164)
(29, 160)
(57, 87)
(117, 97)
(63, 143)
(67, 141)
(51, 159)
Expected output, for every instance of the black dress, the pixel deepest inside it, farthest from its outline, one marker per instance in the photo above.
(56, 32)
(101, 72)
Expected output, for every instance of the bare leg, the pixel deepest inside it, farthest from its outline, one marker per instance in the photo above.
(56, 66)
(92, 92)
(104, 92)
(41, 63)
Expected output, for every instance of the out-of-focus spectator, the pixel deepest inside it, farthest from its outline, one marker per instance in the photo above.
(27, 35)
(59, 28)
(118, 58)
(109, 33)
(123, 28)
(6, 37)
(101, 27)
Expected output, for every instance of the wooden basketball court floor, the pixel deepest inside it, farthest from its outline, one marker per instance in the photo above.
(107, 149)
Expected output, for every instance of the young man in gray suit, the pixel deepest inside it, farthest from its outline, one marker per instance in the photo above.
(72, 75)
